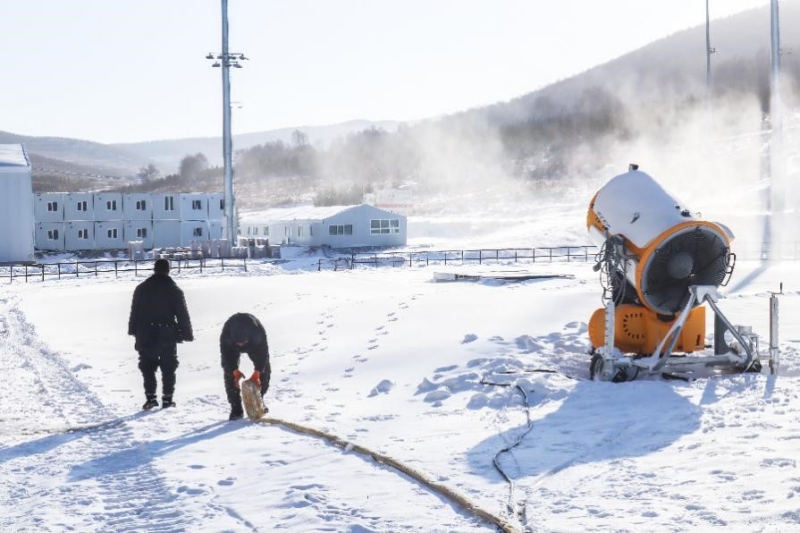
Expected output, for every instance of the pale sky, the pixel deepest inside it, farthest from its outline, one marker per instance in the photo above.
(134, 70)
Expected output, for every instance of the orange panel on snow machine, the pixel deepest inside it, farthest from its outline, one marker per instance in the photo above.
(638, 330)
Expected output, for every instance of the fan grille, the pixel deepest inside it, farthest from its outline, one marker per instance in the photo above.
(698, 256)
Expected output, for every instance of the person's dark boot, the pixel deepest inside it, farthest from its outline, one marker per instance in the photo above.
(150, 403)
(166, 401)
(237, 412)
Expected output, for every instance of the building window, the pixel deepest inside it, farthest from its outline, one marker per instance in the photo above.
(141, 205)
(52, 206)
(222, 204)
(266, 231)
(82, 206)
(52, 234)
(141, 233)
(197, 205)
(169, 203)
(83, 233)
(299, 231)
(383, 226)
(340, 229)
(198, 232)
(111, 205)
(112, 233)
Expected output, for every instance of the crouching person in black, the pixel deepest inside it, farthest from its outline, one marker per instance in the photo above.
(159, 321)
(243, 333)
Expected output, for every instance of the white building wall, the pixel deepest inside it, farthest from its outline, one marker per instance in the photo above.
(79, 206)
(166, 233)
(215, 229)
(79, 235)
(16, 205)
(166, 206)
(49, 206)
(216, 206)
(109, 235)
(139, 230)
(108, 206)
(193, 230)
(358, 220)
(137, 206)
(49, 236)
(194, 206)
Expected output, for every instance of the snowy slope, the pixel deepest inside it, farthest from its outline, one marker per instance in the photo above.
(389, 360)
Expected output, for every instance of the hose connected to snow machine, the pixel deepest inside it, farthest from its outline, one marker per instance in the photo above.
(414, 474)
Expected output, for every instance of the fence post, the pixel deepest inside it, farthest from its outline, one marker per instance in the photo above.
(42, 272)
(59, 270)
(26, 273)
(245, 264)
(569, 257)
(76, 269)
(116, 269)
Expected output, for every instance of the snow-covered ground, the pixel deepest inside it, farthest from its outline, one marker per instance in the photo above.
(392, 361)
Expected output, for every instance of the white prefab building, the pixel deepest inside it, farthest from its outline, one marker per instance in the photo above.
(166, 233)
(16, 205)
(79, 206)
(49, 206)
(166, 206)
(109, 235)
(355, 226)
(50, 236)
(137, 206)
(216, 206)
(194, 206)
(194, 230)
(108, 206)
(139, 230)
(78, 235)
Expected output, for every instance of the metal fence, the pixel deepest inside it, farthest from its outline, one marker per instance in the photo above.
(117, 267)
(461, 257)
(745, 251)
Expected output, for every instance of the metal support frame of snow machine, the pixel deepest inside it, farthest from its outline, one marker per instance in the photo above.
(610, 364)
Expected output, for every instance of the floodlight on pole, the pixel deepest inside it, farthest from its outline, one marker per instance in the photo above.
(709, 50)
(225, 61)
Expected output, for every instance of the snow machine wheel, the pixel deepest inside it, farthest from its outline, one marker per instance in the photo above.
(622, 374)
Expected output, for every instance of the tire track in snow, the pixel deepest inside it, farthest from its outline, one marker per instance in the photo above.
(90, 479)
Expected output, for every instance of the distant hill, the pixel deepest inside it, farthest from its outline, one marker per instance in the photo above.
(673, 67)
(167, 154)
(63, 154)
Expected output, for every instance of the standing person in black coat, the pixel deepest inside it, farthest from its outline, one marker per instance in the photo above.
(243, 333)
(159, 321)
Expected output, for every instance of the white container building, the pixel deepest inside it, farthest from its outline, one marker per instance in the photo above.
(166, 206)
(139, 230)
(109, 235)
(49, 206)
(79, 206)
(137, 206)
(194, 206)
(355, 226)
(166, 233)
(108, 206)
(79, 235)
(50, 236)
(216, 206)
(16, 205)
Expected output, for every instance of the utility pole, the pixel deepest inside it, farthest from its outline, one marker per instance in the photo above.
(709, 51)
(781, 196)
(225, 61)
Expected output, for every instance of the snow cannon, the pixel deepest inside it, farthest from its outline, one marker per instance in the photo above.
(659, 262)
